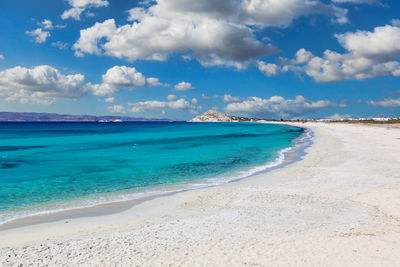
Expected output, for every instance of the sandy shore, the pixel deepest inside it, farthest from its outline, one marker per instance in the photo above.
(340, 205)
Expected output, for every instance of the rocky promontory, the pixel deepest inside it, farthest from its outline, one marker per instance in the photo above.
(214, 116)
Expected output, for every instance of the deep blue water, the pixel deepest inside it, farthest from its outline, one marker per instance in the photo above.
(46, 163)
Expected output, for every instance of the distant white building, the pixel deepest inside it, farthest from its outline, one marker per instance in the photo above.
(381, 117)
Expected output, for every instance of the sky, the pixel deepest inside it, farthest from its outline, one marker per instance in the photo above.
(179, 58)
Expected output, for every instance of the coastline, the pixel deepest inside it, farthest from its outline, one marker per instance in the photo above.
(339, 205)
(120, 201)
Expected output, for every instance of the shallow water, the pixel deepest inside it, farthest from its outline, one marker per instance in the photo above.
(43, 166)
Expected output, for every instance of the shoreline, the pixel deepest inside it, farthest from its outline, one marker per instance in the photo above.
(115, 205)
(338, 206)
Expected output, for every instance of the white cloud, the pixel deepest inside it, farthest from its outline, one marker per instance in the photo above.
(89, 38)
(210, 32)
(60, 45)
(303, 56)
(370, 54)
(1, 57)
(357, 1)
(172, 97)
(116, 109)
(137, 14)
(155, 105)
(155, 82)
(61, 26)
(395, 22)
(268, 69)
(44, 84)
(231, 99)
(119, 77)
(79, 6)
(46, 24)
(206, 97)
(39, 35)
(194, 100)
(110, 100)
(184, 86)
(39, 85)
(90, 14)
(157, 39)
(282, 13)
(42, 33)
(338, 117)
(160, 106)
(386, 103)
(383, 42)
(276, 107)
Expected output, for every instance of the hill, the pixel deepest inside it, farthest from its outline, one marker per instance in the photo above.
(53, 117)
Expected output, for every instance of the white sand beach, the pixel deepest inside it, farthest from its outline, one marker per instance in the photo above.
(338, 206)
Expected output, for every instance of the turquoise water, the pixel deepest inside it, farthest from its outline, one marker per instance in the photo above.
(45, 164)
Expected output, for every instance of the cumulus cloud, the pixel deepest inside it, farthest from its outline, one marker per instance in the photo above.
(110, 100)
(60, 45)
(268, 69)
(79, 6)
(116, 109)
(276, 107)
(184, 86)
(157, 39)
(39, 35)
(44, 84)
(46, 24)
(369, 55)
(207, 97)
(1, 57)
(43, 32)
(155, 106)
(214, 33)
(89, 38)
(172, 97)
(231, 99)
(119, 77)
(386, 103)
(194, 100)
(39, 85)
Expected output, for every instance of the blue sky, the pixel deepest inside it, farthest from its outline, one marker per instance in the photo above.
(178, 58)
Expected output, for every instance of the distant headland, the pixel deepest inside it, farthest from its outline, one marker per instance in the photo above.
(53, 117)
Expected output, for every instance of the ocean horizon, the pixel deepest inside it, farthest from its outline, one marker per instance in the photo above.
(51, 167)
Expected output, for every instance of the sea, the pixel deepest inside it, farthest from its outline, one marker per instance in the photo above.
(52, 167)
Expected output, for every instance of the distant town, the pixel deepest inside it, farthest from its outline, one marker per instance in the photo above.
(215, 116)
(377, 118)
